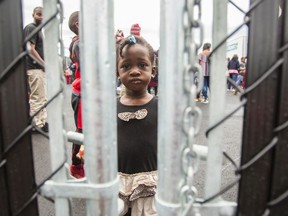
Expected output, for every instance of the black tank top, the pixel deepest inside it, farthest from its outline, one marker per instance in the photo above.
(137, 139)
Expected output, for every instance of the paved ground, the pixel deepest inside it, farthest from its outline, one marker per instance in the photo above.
(231, 144)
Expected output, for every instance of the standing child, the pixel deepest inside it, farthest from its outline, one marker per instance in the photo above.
(77, 168)
(137, 128)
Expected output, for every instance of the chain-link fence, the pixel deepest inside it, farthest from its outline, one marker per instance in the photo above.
(262, 173)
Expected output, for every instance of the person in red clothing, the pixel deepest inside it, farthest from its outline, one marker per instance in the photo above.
(153, 84)
(77, 166)
(135, 29)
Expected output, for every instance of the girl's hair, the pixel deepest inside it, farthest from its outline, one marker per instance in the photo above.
(74, 17)
(129, 41)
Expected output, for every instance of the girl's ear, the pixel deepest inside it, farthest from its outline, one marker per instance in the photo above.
(154, 72)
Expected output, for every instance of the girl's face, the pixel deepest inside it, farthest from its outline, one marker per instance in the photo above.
(135, 68)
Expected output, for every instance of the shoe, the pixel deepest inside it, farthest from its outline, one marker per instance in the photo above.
(205, 101)
(77, 171)
(200, 99)
(45, 127)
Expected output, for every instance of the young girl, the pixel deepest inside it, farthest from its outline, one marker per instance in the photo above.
(137, 128)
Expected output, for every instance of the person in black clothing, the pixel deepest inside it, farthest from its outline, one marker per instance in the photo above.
(137, 127)
(233, 68)
(36, 73)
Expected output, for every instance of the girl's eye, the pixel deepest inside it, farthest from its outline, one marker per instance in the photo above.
(126, 66)
(142, 65)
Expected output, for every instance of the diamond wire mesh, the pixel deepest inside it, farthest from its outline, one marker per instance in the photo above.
(8, 71)
(270, 146)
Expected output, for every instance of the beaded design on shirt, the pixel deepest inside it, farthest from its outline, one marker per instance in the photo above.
(126, 116)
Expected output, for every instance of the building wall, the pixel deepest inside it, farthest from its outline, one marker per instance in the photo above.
(237, 46)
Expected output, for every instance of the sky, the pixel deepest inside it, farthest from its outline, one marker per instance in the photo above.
(127, 12)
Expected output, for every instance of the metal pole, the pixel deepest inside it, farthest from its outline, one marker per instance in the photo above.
(97, 53)
(217, 101)
(171, 107)
(55, 109)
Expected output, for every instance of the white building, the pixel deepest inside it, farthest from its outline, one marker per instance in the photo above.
(237, 46)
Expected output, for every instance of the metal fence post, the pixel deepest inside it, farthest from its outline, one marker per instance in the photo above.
(55, 109)
(171, 107)
(97, 46)
(17, 177)
(217, 103)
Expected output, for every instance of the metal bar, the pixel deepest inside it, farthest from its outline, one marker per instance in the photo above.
(17, 181)
(171, 105)
(97, 57)
(201, 151)
(280, 177)
(260, 116)
(221, 207)
(74, 137)
(217, 104)
(80, 190)
(55, 109)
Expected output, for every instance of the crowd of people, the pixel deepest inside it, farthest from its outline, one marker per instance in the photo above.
(137, 77)
(236, 71)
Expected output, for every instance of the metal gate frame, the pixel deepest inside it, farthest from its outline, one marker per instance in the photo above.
(265, 135)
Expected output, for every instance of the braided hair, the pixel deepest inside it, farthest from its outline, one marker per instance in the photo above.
(130, 41)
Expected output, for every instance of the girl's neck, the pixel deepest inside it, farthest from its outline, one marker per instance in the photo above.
(136, 99)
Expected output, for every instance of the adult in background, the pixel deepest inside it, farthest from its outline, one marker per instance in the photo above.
(36, 73)
(205, 64)
(233, 68)
(242, 71)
